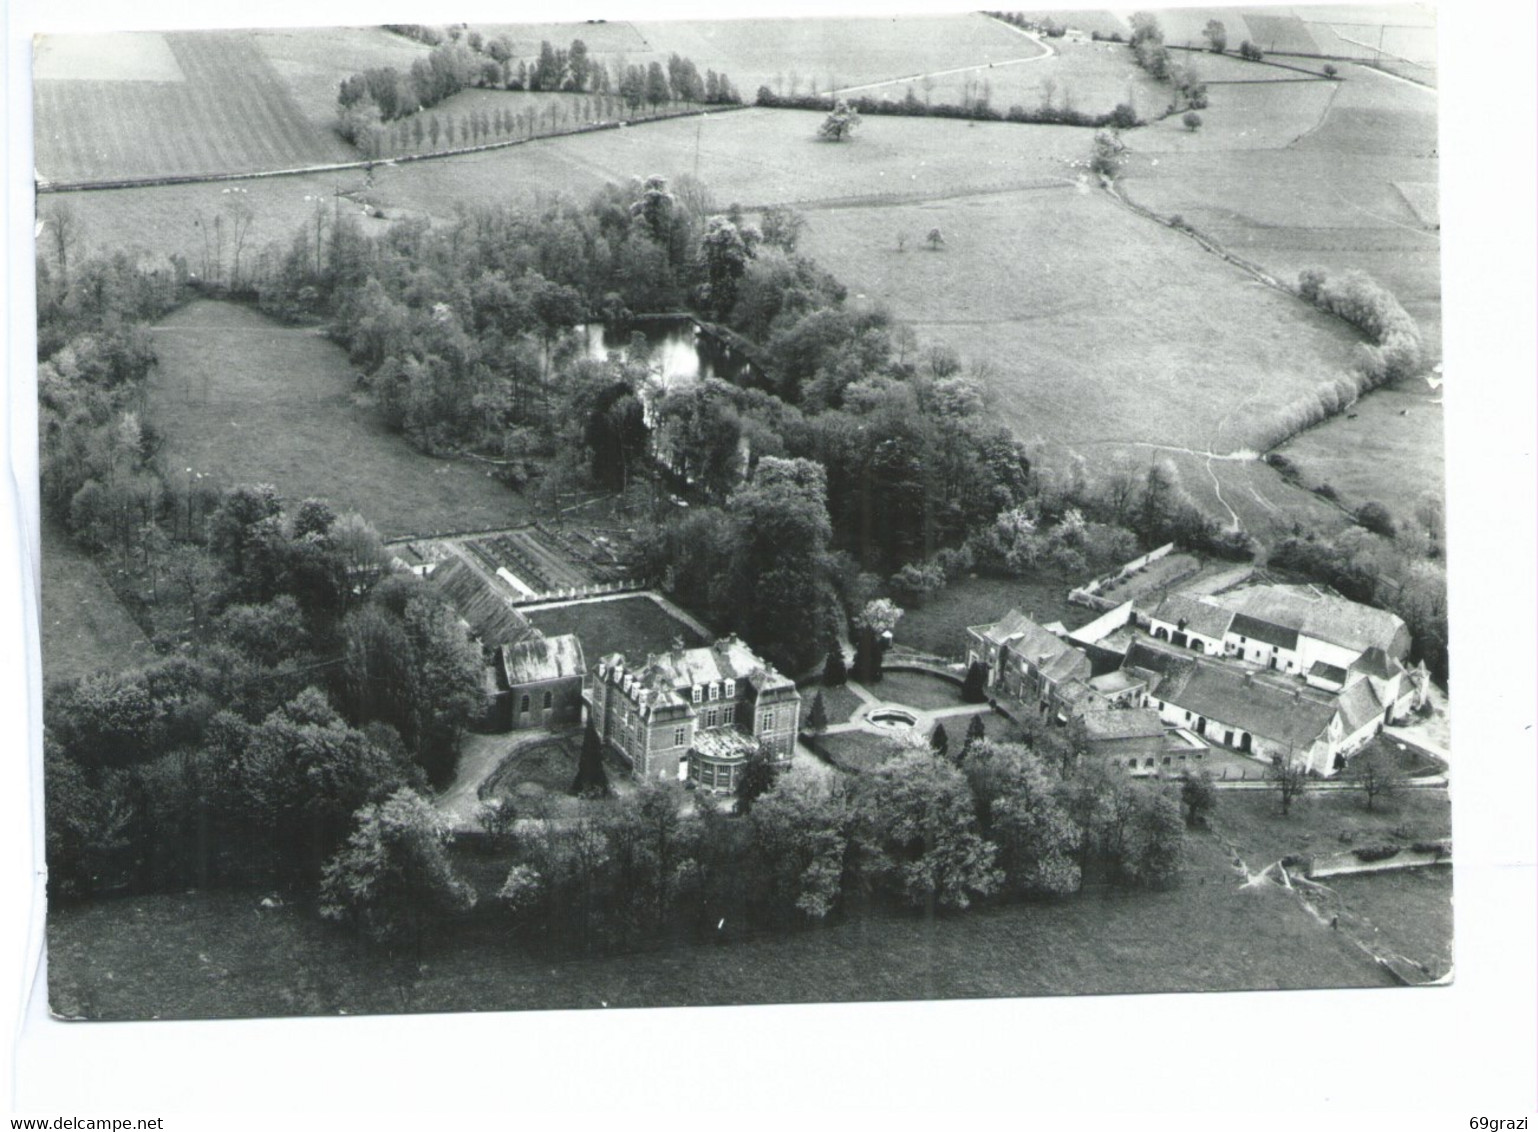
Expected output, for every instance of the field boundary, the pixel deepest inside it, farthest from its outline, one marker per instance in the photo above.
(44, 185)
(895, 199)
(1266, 62)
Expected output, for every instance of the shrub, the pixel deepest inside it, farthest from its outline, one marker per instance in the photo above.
(1192, 120)
(1325, 491)
(1330, 70)
(1376, 518)
(1370, 853)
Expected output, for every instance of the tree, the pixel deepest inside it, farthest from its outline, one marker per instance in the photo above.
(817, 719)
(393, 881)
(1108, 156)
(976, 733)
(1217, 36)
(1377, 519)
(800, 841)
(1154, 843)
(841, 123)
(918, 833)
(755, 779)
(1192, 121)
(1291, 778)
(935, 240)
(1018, 808)
(1330, 70)
(592, 781)
(867, 656)
(974, 689)
(1198, 798)
(939, 741)
(834, 671)
(1376, 773)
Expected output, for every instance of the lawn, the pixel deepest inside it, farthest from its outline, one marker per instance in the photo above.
(855, 751)
(85, 627)
(243, 399)
(635, 626)
(838, 700)
(177, 112)
(206, 955)
(916, 689)
(939, 626)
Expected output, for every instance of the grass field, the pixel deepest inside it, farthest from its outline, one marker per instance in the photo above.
(201, 122)
(245, 399)
(786, 53)
(85, 627)
(917, 689)
(939, 626)
(1094, 336)
(1411, 909)
(313, 61)
(838, 700)
(635, 626)
(218, 955)
(1254, 823)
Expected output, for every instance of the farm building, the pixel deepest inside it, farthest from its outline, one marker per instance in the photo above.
(1265, 713)
(694, 714)
(1289, 628)
(539, 683)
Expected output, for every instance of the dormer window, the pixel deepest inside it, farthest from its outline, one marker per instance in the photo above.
(698, 693)
(731, 689)
(715, 691)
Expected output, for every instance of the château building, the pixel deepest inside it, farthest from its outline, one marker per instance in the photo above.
(694, 714)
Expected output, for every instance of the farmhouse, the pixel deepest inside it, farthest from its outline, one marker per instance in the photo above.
(539, 683)
(694, 714)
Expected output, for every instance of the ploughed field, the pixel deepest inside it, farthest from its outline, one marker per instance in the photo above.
(152, 104)
(241, 398)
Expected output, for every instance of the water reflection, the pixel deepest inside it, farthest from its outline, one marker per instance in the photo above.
(682, 353)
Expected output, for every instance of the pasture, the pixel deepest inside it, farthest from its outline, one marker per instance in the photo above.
(85, 627)
(156, 123)
(1388, 448)
(1096, 338)
(939, 626)
(243, 399)
(797, 55)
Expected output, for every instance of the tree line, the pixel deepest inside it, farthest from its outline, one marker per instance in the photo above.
(978, 109)
(926, 831)
(379, 96)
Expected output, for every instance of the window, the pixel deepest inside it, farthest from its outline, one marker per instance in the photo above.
(731, 689)
(729, 713)
(715, 691)
(708, 774)
(712, 718)
(697, 693)
(523, 703)
(680, 736)
(724, 777)
(549, 699)
(766, 720)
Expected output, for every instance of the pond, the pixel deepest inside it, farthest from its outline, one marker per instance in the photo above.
(681, 351)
